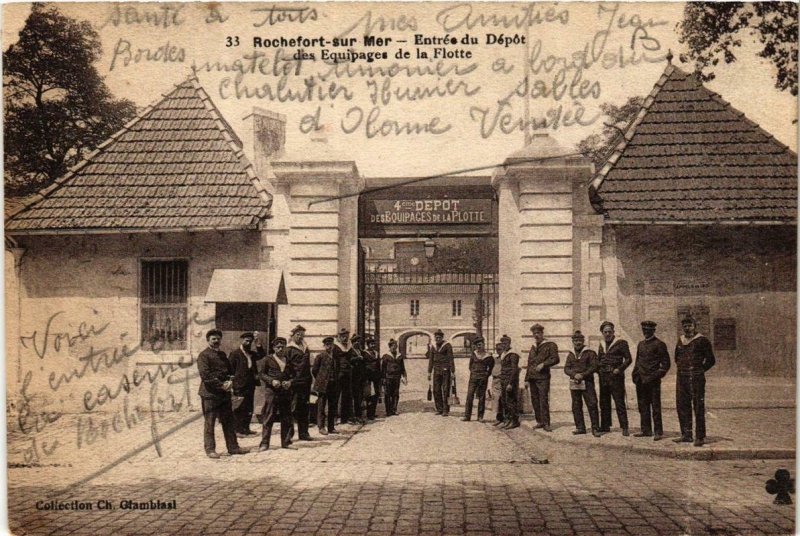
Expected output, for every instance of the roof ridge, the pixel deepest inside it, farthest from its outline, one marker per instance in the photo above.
(42, 193)
(630, 131)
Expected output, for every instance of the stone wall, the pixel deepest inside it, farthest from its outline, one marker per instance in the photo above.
(744, 274)
(79, 308)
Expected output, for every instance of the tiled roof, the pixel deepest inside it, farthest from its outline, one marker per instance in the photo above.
(689, 156)
(178, 165)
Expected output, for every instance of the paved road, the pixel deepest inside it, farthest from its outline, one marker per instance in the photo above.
(414, 473)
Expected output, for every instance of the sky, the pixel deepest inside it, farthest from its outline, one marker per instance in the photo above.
(464, 113)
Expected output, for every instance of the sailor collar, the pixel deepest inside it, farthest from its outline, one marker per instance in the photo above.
(280, 361)
(607, 348)
(343, 348)
(685, 341)
(579, 354)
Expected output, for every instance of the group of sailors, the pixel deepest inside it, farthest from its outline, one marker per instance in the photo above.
(347, 381)
(694, 356)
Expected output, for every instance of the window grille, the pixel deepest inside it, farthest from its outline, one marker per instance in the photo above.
(456, 307)
(163, 301)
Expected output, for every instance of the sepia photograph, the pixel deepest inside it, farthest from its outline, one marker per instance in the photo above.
(400, 268)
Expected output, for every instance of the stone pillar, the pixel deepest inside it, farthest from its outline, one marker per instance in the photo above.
(509, 298)
(540, 261)
(589, 307)
(316, 245)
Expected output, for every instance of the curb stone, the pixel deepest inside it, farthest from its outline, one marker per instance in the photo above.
(695, 454)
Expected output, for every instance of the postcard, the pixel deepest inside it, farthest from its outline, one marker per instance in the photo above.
(400, 268)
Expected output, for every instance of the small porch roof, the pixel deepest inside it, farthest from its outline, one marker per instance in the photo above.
(247, 286)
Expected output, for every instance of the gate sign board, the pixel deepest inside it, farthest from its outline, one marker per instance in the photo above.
(422, 211)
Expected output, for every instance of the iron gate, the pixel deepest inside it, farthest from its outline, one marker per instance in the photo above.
(435, 291)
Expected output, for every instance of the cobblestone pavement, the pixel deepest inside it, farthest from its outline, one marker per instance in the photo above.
(414, 473)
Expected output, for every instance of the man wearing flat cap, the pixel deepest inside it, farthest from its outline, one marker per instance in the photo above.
(393, 369)
(245, 378)
(481, 364)
(216, 384)
(542, 355)
(652, 364)
(326, 372)
(581, 366)
(694, 356)
(344, 354)
(443, 368)
(509, 383)
(614, 356)
(298, 355)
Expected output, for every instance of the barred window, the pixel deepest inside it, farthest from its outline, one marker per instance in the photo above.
(414, 307)
(163, 298)
(456, 307)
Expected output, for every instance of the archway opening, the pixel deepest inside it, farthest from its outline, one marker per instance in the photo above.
(414, 344)
(462, 343)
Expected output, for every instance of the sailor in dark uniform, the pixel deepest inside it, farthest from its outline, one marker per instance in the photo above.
(244, 362)
(344, 353)
(393, 370)
(297, 353)
(581, 366)
(372, 380)
(652, 364)
(326, 371)
(614, 356)
(694, 356)
(276, 374)
(509, 383)
(359, 381)
(543, 355)
(497, 390)
(442, 366)
(481, 364)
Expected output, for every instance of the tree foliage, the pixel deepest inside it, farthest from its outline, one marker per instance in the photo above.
(712, 30)
(466, 256)
(57, 106)
(598, 146)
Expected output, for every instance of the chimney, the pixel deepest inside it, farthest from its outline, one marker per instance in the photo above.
(265, 137)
